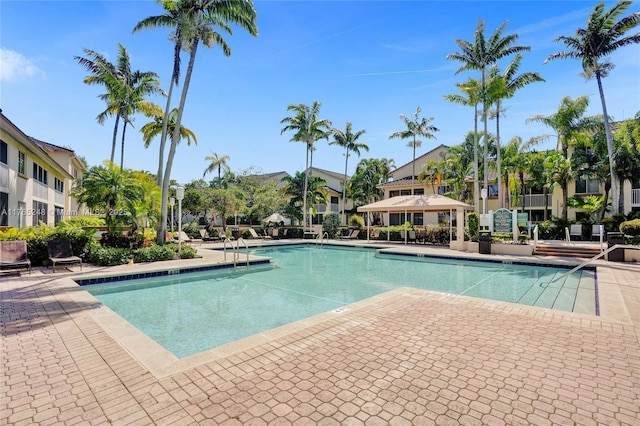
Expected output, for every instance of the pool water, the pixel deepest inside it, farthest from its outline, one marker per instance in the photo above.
(190, 313)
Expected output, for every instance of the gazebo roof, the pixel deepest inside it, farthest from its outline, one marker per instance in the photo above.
(415, 203)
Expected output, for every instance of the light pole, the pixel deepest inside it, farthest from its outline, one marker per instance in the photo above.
(172, 202)
(179, 197)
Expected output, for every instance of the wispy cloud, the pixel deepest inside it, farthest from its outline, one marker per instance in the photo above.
(16, 67)
(576, 16)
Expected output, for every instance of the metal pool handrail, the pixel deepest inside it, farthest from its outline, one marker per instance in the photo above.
(601, 254)
(321, 238)
(232, 249)
(237, 252)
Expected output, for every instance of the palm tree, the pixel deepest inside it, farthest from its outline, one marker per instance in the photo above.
(349, 141)
(472, 89)
(558, 170)
(415, 128)
(363, 185)
(480, 55)
(217, 162)
(603, 35)
(111, 189)
(194, 22)
(154, 128)
(316, 191)
(308, 129)
(126, 89)
(568, 122)
(504, 87)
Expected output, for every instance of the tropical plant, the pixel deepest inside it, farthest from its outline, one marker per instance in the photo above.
(295, 188)
(154, 128)
(308, 129)
(416, 127)
(472, 89)
(480, 55)
(503, 86)
(569, 122)
(331, 224)
(227, 202)
(194, 22)
(126, 89)
(558, 170)
(363, 185)
(349, 141)
(219, 163)
(603, 34)
(112, 191)
(516, 164)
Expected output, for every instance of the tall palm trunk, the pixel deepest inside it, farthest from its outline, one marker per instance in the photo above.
(344, 188)
(162, 228)
(165, 120)
(486, 143)
(607, 128)
(115, 136)
(413, 165)
(124, 131)
(304, 192)
(476, 182)
(498, 157)
(545, 192)
(163, 137)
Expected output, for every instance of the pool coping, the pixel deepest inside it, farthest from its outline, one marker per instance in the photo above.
(162, 363)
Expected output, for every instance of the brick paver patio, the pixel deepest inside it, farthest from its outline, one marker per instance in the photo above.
(411, 357)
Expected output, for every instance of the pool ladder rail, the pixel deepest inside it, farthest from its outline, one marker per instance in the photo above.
(320, 238)
(236, 250)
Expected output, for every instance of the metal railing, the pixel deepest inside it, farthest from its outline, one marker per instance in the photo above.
(601, 254)
(237, 252)
(320, 237)
(635, 197)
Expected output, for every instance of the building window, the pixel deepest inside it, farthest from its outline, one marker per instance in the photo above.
(21, 162)
(493, 190)
(58, 214)
(75, 173)
(334, 200)
(40, 174)
(418, 219)
(4, 209)
(444, 189)
(418, 191)
(58, 185)
(405, 192)
(3, 152)
(393, 194)
(22, 213)
(587, 186)
(39, 212)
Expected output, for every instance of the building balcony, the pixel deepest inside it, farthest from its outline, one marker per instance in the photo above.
(535, 201)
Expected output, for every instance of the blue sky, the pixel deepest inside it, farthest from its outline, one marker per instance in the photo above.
(365, 61)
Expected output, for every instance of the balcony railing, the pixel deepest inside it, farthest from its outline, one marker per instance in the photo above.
(534, 201)
(40, 190)
(4, 176)
(635, 197)
(59, 198)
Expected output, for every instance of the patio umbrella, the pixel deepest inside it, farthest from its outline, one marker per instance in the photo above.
(276, 218)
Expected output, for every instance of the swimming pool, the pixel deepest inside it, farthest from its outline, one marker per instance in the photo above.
(190, 313)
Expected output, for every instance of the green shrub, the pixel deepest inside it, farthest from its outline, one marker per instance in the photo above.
(356, 221)
(110, 256)
(246, 234)
(154, 253)
(631, 227)
(331, 224)
(192, 229)
(473, 224)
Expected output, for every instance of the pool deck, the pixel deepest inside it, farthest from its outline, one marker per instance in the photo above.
(407, 357)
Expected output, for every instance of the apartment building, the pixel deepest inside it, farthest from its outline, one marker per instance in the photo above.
(35, 179)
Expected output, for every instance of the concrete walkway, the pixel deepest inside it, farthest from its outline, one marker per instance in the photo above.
(408, 357)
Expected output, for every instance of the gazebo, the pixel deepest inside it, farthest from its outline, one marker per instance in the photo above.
(421, 204)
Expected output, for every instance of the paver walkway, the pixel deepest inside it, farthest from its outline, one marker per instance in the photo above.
(414, 357)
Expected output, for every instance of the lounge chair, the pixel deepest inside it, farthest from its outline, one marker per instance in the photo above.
(575, 231)
(596, 232)
(256, 236)
(353, 235)
(60, 252)
(13, 254)
(183, 237)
